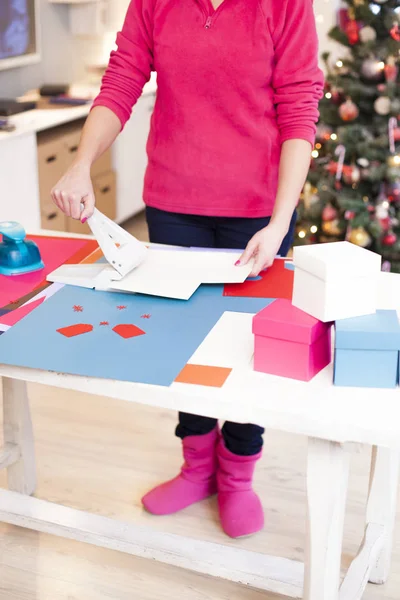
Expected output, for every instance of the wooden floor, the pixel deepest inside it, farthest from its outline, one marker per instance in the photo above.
(101, 455)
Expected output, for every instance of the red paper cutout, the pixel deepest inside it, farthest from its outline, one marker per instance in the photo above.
(121, 307)
(77, 308)
(128, 331)
(276, 282)
(102, 323)
(145, 316)
(74, 330)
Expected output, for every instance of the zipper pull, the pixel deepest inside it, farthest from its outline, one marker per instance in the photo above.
(208, 23)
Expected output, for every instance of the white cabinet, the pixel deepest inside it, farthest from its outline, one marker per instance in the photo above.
(95, 17)
(130, 159)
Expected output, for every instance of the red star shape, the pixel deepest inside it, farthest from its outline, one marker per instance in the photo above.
(77, 308)
(121, 307)
(104, 323)
(146, 316)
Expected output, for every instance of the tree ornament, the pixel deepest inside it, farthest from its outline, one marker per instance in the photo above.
(386, 266)
(393, 161)
(329, 213)
(382, 210)
(389, 239)
(382, 105)
(331, 227)
(352, 30)
(393, 191)
(363, 162)
(338, 96)
(360, 237)
(395, 32)
(351, 174)
(391, 70)
(367, 34)
(349, 215)
(359, 2)
(348, 111)
(372, 70)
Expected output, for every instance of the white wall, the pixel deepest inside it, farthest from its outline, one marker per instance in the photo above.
(63, 56)
(326, 17)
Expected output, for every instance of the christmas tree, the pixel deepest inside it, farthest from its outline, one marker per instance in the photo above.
(353, 188)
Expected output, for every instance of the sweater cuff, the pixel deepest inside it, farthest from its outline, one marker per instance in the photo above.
(298, 132)
(114, 107)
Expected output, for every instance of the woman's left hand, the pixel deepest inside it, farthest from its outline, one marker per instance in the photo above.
(263, 247)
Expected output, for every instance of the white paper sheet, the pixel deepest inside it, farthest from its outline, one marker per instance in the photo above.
(229, 344)
(163, 273)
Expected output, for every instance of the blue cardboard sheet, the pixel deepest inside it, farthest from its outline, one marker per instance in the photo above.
(169, 331)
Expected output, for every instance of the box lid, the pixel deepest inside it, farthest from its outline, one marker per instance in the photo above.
(380, 331)
(337, 259)
(281, 320)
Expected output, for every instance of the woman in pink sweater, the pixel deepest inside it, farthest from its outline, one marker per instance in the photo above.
(228, 153)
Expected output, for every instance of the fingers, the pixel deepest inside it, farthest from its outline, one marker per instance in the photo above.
(70, 204)
(248, 253)
(88, 202)
(261, 263)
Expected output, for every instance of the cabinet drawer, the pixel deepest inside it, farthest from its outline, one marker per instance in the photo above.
(71, 140)
(52, 218)
(51, 166)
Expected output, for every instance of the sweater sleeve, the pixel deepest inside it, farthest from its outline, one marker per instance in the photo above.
(130, 65)
(297, 80)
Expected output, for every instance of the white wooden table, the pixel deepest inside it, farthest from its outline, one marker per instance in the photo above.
(336, 421)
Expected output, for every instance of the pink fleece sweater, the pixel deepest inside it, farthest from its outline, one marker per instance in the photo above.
(233, 85)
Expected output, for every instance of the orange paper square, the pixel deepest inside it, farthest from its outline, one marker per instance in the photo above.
(204, 375)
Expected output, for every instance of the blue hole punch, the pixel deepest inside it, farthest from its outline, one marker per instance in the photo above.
(17, 254)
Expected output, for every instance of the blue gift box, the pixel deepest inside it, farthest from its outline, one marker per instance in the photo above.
(367, 350)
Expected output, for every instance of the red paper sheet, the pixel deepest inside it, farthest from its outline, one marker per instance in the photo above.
(276, 282)
(54, 252)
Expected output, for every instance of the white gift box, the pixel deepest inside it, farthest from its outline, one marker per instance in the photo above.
(335, 281)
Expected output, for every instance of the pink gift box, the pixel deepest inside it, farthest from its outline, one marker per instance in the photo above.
(289, 342)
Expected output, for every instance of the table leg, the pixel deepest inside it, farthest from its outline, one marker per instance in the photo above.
(382, 504)
(18, 437)
(327, 480)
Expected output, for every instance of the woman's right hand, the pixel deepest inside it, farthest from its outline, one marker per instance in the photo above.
(74, 189)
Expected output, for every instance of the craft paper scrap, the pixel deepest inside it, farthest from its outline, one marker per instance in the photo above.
(276, 282)
(54, 252)
(203, 375)
(16, 315)
(19, 313)
(172, 333)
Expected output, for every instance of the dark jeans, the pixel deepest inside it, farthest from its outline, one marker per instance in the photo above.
(213, 232)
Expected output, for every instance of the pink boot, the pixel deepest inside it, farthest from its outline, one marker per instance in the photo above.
(196, 481)
(240, 509)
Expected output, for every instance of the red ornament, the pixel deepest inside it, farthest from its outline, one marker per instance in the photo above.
(389, 239)
(395, 32)
(391, 70)
(329, 213)
(349, 215)
(348, 111)
(385, 223)
(396, 134)
(352, 32)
